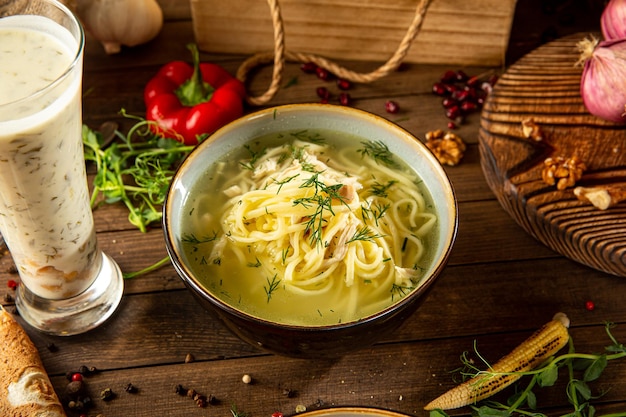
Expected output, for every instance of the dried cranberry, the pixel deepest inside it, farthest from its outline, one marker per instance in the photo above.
(460, 95)
(453, 112)
(473, 81)
(449, 102)
(322, 73)
(344, 99)
(323, 93)
(308, 67)
(452, 125)
(440, 89)
(461, 76)
(468, 106)
(448, 77)
(392, 107)
(77, 376)
(590, 305)
(12, 284)
(343, 84)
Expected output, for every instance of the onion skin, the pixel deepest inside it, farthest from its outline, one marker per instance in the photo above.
(603, 81)
(613, 20)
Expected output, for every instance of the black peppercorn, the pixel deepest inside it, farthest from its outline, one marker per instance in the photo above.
(74, 388)
(130, 388)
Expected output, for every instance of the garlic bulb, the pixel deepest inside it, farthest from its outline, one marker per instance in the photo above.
(120, 22)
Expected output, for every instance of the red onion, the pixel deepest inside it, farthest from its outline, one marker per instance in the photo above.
(613, 20)
(603, 82)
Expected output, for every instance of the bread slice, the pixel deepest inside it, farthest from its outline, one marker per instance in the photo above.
(25, 388)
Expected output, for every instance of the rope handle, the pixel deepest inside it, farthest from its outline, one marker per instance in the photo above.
(279, 55)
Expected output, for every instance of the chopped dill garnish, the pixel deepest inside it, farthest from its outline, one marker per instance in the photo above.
(364, 234)
(400, 290)
(307, 136)
(283, 182)
(378, 151)
(194, 240)
(254, 265)
(321, 202)
(271, 286)
(254, 157)
(381, 190)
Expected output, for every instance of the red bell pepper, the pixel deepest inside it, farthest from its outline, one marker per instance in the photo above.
(188, 102)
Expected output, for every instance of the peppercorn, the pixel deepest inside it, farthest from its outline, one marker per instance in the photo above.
(75, 388)
(52, 347)
(107, 394)
(246, 379)
(289, 393)
(180, 390)
(130, 388)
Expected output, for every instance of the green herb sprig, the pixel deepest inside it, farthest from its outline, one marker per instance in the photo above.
(581, 369)
(135, 172)
(321, 202)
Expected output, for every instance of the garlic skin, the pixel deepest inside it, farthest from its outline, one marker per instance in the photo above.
(120, 22)
(603, 81)
(613, 20)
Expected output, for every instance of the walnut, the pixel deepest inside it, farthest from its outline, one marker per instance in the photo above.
(601, 197)
(562, 172)
(448, 148)
(531, 130)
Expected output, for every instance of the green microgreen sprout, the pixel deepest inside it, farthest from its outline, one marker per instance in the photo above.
(581, 369)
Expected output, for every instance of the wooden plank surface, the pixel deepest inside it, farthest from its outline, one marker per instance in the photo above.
(500, 285)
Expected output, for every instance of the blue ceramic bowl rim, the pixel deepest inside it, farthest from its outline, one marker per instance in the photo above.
(261, 117)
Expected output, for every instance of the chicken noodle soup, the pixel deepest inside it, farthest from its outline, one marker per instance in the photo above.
(296, 230)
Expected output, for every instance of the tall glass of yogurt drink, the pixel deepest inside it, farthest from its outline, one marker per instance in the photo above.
(68, 285)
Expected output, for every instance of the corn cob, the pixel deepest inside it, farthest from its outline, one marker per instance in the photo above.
(540, 346)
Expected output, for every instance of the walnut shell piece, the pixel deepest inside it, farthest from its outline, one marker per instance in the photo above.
(448, 148)
(531, 130)
(562, 172)
(601, 198)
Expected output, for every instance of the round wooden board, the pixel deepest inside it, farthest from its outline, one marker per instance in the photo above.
(544, 85)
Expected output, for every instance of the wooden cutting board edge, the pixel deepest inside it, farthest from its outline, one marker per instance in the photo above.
(544, 86)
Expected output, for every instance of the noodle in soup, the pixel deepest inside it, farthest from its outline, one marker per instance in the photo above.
(294, 229)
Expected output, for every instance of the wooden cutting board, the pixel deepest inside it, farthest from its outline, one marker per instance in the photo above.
(544, 86)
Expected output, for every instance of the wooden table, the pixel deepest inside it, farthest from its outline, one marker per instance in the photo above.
(499, 286)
